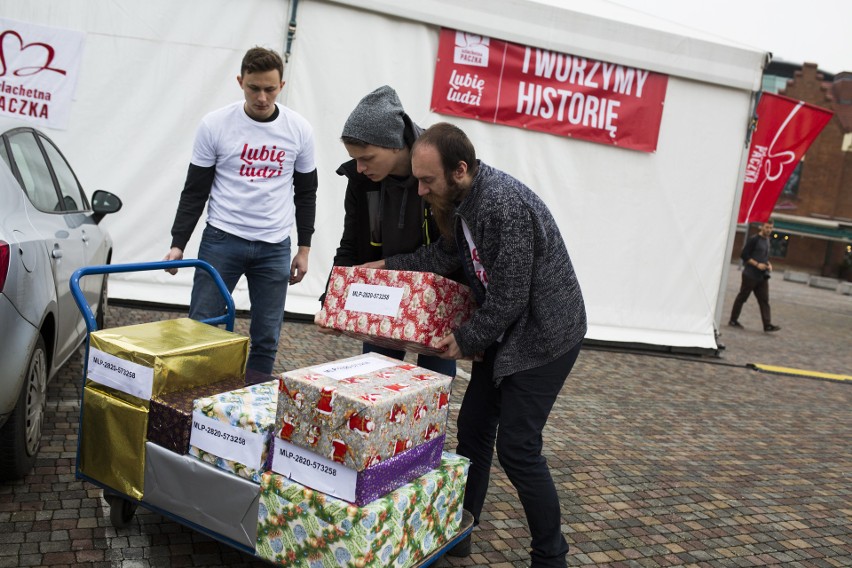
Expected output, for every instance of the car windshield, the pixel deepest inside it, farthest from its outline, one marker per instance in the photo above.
(33, 171)
(42, 170)
(5, 155)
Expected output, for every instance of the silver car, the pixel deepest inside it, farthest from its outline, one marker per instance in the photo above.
(48, 229)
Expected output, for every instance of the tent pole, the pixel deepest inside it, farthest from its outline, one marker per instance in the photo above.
(735, 211)
(291, 35)
(291, 29)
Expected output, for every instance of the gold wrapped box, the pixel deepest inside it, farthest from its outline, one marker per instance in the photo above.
(127, 366)
(158, 358)
(112, 439)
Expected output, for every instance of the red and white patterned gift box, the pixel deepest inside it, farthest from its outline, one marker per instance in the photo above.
(362, 410)
(410, 311)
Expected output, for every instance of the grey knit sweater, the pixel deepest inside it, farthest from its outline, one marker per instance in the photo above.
(533, 297)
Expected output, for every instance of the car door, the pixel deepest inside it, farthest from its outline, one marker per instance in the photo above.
(61, 233)
(78, 213)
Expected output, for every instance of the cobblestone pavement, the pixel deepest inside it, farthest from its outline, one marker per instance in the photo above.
(659, 460)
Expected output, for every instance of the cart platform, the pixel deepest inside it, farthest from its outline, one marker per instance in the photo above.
(122, 506)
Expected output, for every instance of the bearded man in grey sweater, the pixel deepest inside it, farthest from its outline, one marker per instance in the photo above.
(529, 323)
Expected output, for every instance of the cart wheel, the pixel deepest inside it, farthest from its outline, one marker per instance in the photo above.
(121, 510)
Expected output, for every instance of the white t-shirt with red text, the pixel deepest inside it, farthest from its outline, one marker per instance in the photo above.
(477, 265)
(252, 193)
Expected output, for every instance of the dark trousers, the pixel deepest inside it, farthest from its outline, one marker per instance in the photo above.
(514, 416)
(760, 287)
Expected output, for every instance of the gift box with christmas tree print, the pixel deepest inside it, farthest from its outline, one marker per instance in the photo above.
(300, 527)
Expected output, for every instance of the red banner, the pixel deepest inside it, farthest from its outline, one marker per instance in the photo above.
(506, 83)
(785, 129)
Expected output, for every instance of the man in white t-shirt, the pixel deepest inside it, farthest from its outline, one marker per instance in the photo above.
(253, 165)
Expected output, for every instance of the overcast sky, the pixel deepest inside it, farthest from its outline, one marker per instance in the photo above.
(814, 31)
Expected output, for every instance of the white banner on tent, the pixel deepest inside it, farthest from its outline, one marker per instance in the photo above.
(39, 66)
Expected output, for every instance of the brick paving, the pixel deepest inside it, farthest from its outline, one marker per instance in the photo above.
(660, 460)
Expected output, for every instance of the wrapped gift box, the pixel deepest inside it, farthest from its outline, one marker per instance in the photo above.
(170, 415)
(231, 430)
(362, 410)
(129, 365)
(298, 526)
(411, 311)
(158, 358)
(357, 487)
(202, 494)
(112, 439)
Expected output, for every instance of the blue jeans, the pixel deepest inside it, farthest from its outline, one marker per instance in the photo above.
(431, 362)
(514, 416)
(267, 269)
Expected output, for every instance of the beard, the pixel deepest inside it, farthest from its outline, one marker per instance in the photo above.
(444, 207)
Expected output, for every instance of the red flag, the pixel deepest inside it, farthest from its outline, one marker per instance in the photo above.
(785, 129)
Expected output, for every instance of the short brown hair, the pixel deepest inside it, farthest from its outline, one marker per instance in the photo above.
(452, 144)
(260, 59)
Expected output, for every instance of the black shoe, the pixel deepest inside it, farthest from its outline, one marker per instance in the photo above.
(735, 323)
(461, 549)
(771, 327)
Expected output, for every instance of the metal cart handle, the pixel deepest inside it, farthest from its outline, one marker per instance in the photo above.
(91, 324)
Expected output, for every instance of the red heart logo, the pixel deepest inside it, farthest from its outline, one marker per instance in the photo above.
(48, 54)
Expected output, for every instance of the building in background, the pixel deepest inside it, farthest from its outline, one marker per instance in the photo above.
(813, 215)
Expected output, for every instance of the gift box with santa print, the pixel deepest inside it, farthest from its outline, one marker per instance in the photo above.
(356, 487)
(410, 311)
(363, 410)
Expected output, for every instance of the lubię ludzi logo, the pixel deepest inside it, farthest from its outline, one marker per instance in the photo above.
(466, 87)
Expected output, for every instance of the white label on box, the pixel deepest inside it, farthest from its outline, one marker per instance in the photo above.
(313, 470)
(373, 299)
(129, 377)
(362, 366)
(227, 441)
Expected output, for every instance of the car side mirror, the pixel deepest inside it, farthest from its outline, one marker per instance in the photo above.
(104, 202)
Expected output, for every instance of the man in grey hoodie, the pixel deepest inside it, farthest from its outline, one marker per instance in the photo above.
(383, 213)
(530, 322)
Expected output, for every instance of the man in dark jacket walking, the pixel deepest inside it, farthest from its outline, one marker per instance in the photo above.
(529, 323)
(755, 278)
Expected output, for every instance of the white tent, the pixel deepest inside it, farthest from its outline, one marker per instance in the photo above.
(650, 234)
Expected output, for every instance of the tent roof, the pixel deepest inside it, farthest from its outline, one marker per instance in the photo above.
(596, 30)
